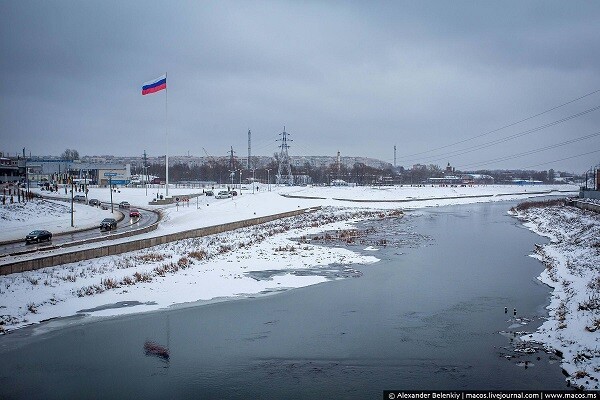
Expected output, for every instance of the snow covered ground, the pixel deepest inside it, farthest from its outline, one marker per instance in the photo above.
(572, 260)
(218, 266)
(18, 219)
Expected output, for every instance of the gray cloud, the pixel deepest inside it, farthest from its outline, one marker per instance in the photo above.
(357, 77)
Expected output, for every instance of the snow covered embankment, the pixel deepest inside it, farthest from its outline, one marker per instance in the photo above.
(258, 259)
(572, 261)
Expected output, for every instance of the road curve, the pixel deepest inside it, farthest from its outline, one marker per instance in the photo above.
(125, 225)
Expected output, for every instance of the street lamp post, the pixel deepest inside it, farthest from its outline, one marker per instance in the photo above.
(268, 179)
(253, 182)
(72, 223)
(112, 211)
(240, 181)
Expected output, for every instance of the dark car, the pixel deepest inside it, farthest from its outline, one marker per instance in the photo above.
(134, 213)
(209, 193)
(38, 236)
(124, 204)
(79, 197)
(94, 202)
(108, 224)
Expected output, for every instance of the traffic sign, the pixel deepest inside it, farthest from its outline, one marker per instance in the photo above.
(110, 174)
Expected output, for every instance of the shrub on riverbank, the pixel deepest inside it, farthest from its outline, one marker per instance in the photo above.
(538, 204)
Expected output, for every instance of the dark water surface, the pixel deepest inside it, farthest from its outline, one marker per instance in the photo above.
(427, 316)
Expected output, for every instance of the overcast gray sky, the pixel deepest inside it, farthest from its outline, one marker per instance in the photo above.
(358, 77)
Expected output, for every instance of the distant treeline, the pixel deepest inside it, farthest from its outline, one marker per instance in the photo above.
(360, 174)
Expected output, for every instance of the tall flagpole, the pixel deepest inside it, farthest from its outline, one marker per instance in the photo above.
(167, 131)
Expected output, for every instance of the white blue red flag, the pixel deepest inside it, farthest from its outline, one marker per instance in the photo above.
(155, 85)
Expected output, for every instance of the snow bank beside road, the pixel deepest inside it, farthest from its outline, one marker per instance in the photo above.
(572, 260)
(18, 219)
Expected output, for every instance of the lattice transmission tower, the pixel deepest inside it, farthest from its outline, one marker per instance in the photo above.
(284, 171)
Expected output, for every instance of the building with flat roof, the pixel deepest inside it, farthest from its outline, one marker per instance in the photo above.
(94, 173)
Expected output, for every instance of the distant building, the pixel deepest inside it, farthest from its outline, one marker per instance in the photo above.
(339, 182)
(526, 182)
(94, 173)
(449, 169)
(9, 170)
(478, 179)
(302, 180)
(446, 180)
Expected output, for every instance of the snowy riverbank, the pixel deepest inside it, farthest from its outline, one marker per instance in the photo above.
(224, 265)
(572, 260)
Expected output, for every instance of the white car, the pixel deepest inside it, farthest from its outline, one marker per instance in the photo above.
(223, 194)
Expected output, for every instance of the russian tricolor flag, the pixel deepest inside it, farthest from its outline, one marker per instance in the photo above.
(155, 85)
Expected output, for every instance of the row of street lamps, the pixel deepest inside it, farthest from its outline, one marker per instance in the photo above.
(233, 172)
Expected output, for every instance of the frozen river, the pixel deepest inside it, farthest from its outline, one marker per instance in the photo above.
(429, 315)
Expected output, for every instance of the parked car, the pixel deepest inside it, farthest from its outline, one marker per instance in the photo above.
(233, 193)
(124, 204)
(94, 202)
(108, 224)
(223, 194)
(209, 193)
(79, 197)
(38, 236)
(134, 213)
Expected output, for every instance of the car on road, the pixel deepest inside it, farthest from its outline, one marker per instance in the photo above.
(134, 213)
(124, 204)
(38, 236)
(209, 193)
(108, 224)
(223, 194)
(233, 192)
(94, 202)
(79, 198)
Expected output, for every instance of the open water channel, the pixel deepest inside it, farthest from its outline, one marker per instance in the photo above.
(429, 315)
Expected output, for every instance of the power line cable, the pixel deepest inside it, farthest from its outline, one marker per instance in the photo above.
(504, 127)
(511, 137)
(562, 159)
(530, 151)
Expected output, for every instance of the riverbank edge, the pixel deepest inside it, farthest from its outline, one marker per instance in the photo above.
(582, 371)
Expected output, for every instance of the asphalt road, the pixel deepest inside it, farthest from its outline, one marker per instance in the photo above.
(127, 224)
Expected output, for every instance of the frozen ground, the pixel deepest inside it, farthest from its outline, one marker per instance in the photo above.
(18, 219)
(572, 260)
(246, 262)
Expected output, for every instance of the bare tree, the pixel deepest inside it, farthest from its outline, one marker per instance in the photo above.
(70, 154)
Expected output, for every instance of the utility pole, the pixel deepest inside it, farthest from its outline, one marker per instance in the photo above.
(26, 176)
(72, 223)
(268, 179)
(249, 147)
(232, 169)
(232, 175)
(231, 159)
(85, 186)
(284, 171)
(146, 172)
(112, 210)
